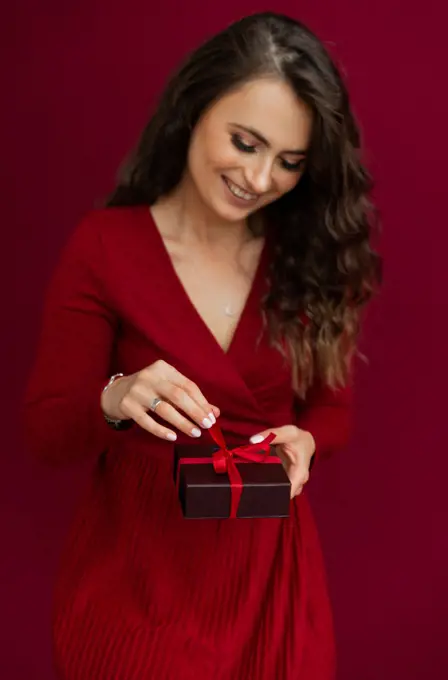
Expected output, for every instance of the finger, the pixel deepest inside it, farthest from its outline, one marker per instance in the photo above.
(173, 417)
(193, 391)
(140, 416)
(283, 435)
(298, 475)
(179, 398)
(297, 485)
(299, 479)
(144, 393)
(297, 491)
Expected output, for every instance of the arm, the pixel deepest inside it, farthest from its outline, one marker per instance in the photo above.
(63, 418)
(327, 415)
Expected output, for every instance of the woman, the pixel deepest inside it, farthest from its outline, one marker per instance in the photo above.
(224, 280)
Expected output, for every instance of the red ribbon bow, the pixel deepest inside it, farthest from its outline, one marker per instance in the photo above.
(224, 459)
(224, 462)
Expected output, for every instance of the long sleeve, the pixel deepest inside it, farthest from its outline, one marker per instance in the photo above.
(327, 414)
(63, 419)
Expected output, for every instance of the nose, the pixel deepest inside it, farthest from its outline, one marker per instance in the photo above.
(259, 176)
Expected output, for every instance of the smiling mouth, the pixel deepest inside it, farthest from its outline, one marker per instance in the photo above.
(239, 192)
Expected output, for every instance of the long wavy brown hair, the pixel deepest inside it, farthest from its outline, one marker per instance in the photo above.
(324, 269)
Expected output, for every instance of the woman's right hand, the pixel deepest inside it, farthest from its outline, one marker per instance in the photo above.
(183, 405)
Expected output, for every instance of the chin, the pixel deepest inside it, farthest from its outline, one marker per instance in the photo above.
(236, 215)
(228, 213)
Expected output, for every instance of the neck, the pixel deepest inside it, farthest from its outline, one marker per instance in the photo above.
(193, 222)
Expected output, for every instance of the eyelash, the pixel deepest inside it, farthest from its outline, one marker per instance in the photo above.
(249, 148)
(241, 146)
(293, 167)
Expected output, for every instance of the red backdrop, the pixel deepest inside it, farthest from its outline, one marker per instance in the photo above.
(79, 80)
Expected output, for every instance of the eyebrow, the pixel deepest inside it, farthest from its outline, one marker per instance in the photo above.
(263, 140)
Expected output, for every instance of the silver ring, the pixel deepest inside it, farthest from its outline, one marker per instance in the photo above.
(155, 403)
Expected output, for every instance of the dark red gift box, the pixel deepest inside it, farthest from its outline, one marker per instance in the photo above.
(215, 482)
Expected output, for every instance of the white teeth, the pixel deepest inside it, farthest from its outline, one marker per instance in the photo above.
(236, 191)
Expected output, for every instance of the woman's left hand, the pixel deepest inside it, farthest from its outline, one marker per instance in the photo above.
(295, 448)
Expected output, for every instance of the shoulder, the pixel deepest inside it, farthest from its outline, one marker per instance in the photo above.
(109, 224)
(108, 240)
(111, 234)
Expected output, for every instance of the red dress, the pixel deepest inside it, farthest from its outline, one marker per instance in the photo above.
(143, 593)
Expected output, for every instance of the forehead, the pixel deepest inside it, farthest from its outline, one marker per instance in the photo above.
(269, 106)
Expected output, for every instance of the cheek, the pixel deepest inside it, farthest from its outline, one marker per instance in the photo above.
(286, 182)
(223, 157)
(218, 151)
(212, 155)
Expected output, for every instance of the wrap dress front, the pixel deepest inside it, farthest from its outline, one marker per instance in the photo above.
(143, 593)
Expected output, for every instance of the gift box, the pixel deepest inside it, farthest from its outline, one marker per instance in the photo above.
(215, 482)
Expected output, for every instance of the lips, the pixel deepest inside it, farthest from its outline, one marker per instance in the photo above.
(239, 192)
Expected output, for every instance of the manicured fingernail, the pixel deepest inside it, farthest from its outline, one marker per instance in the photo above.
(171, 436)
(212, 417)
(206, 423)
(257, 439)
(195, 432)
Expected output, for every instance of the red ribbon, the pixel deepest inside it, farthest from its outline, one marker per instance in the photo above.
(224, 461)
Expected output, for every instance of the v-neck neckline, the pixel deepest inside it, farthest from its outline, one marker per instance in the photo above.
(254, 291)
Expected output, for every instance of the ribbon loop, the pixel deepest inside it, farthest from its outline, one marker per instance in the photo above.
(224, 462)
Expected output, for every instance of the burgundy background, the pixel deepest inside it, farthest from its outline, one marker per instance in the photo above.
(79, 78)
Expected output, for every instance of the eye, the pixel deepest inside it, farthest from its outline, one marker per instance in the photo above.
(242, 146)
(293, 167)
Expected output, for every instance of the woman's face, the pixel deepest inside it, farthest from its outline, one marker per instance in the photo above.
(249, 148)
